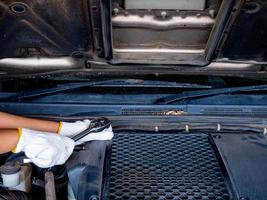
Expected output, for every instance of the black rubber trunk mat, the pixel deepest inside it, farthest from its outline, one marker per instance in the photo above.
(164, 166)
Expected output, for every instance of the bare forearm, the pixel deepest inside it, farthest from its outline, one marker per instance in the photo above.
(8, 140)
(9, 121)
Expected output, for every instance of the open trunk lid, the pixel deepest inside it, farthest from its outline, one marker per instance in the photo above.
(211, 35)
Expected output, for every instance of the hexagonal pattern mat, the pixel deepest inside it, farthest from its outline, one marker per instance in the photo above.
(165, 166)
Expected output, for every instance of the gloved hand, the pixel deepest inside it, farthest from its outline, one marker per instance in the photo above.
(71, 129)
(44, 149)
(106, 134)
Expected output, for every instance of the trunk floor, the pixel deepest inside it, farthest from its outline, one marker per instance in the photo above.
(165, 166)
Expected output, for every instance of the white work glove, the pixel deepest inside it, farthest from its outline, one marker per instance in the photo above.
(71, 129)
(44, 149)
(106, 134)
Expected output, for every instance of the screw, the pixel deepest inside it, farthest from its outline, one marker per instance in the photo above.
(93, 197)
(216, 136)
(116, 11)
(163, 14)
(212, 13)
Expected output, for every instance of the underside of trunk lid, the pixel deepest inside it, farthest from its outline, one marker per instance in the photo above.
(87, 36)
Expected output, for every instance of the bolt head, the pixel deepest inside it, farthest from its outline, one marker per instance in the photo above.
(115, 11)
(163, 14)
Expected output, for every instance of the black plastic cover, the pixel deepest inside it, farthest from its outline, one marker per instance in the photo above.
(247, 39)
(44, 28)
(245, 158)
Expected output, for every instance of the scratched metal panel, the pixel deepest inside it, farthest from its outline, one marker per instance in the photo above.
(166, 4)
